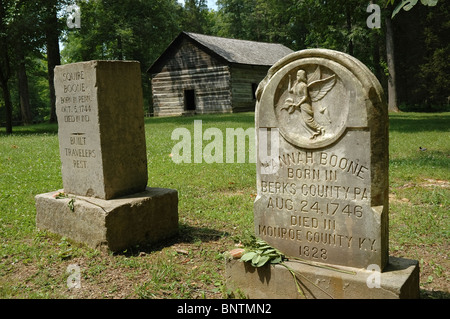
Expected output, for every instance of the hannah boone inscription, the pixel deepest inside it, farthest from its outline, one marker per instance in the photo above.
(326, 198)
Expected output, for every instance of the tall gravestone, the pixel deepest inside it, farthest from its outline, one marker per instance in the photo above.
(322, 173)
(105, 201)
(101, 128)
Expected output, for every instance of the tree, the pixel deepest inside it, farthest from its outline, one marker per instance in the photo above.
(24, 30)
(123, 29)
(390, 59)
(420, 36)
(435, 70)
(52, 31)
(194, 16)
(5, 68)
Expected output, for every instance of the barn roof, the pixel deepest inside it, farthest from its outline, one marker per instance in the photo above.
(235, 51)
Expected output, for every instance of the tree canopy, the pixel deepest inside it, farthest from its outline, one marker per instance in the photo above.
(413, 34)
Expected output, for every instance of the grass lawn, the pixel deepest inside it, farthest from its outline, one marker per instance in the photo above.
(215, 212)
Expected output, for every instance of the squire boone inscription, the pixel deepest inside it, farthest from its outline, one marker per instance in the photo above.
(101, 128)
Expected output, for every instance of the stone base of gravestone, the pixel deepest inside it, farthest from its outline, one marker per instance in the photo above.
(115, 224)
(399, 280)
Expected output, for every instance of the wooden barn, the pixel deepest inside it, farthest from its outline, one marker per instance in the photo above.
(207, 74)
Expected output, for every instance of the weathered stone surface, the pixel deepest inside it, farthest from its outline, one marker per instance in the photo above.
(146, 217)
(101, 128)
(105, 202)
(400, 280)
(322, 168)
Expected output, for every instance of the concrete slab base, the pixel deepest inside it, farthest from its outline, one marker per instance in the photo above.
(399, 280)
(114, 224)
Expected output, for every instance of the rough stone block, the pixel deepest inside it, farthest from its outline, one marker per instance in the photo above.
(399, 280)
(116, 224)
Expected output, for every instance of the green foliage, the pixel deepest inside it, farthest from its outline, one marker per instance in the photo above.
(120, 30)
(409, 4)
(194, 17)
(141, 30)
(262, 253)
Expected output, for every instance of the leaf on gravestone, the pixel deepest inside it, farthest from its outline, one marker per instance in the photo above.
(276, 260)
(70, 204)
(248, 256)
(256, 259)
(262, 261)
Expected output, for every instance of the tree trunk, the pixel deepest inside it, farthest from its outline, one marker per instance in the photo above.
(392, 87)
(376, 58)
(349, 29)
(23, 90)
(119, 47)
(53, 56)
(8, 104)
(5, 71)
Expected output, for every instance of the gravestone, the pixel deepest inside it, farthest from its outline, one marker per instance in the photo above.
(101, 128)
(322, 177)
(105, 200)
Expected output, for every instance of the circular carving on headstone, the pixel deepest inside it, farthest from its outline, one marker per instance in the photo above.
(311, 103)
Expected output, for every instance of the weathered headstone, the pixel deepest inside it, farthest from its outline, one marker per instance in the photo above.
(106, 200)
(322, 169)
(101, 128)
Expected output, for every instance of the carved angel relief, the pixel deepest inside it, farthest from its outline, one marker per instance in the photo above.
(303, 92)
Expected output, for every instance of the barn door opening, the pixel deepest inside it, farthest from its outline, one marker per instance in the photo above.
(189, 100)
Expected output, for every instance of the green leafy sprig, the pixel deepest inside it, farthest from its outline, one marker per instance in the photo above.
(71, 202)
(261, 253)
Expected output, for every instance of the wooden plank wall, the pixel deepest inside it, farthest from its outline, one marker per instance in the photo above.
(244, 81)
(219, 87)
(211, 85)
(189, 68)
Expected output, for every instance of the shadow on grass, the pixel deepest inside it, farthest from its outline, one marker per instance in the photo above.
(426, 294)
(44, 128)
(429, 158)
(419, 122)
(401, 122)
(186, 234)
(243, 118)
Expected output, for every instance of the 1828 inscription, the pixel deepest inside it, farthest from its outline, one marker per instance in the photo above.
(321, 195)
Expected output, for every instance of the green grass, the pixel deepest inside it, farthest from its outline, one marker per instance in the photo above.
(215, 209)
(420, 178)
